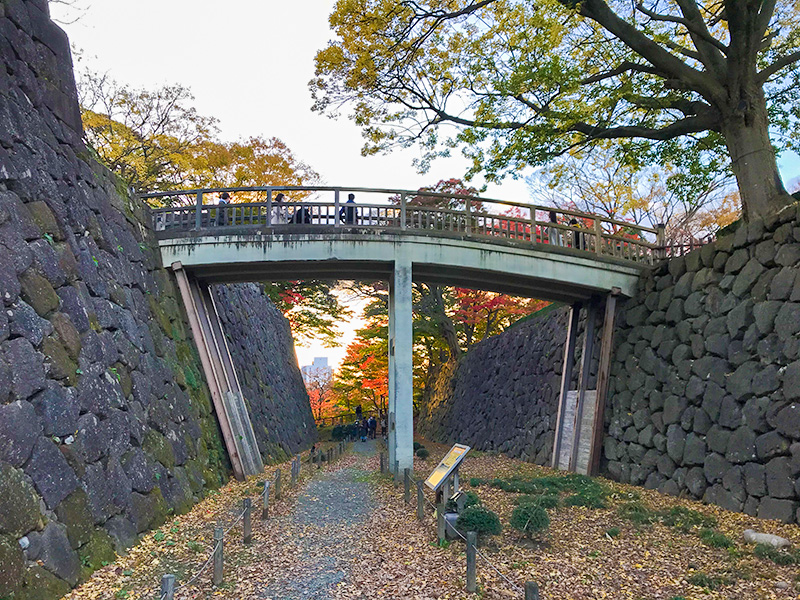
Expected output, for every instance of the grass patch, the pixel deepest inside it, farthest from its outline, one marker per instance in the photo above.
(582, 490)
(543, 500)
(678, 517)
(715, 539)
(711, 582)
(779, 557)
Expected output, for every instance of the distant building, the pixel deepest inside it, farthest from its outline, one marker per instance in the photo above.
(318, 369)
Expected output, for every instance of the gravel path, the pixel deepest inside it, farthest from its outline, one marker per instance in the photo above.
(324, 528)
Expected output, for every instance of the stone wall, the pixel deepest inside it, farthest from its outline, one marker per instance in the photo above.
(262, 348)
(106, 425)
(503, 394)
(705, 397)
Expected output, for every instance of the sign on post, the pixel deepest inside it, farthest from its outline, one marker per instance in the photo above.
(449, 464)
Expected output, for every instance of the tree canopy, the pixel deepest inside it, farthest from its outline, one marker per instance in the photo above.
(516, 83)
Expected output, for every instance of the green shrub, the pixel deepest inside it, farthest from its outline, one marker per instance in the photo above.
(613, 532)
(471, 499)
(480, 520)
(543, 500)
(529, 518)
(417, 446)
(779, 557)
(475, 482)
(423, 453)
(715, 539)
(338, 432)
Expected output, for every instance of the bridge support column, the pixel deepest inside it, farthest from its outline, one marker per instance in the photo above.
(226, 394)
(401, 385)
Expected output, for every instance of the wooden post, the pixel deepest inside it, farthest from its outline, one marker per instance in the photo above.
(455, 481)
(247, 523)
(396, 473)
(420, 501)
(661, 241)
(168, 587)
(603, 368)
(407, 485)
(472, 575)
(218, 555)
(294, 472)
(531, 590)
(440, 522)
(566, 378)
(198, 211)
(383, 463)
(265, 509)
(278, 484)
(583, 379)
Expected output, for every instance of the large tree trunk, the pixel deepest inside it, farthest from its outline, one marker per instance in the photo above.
(746, 131)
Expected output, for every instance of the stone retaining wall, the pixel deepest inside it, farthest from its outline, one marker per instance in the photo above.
(106, 425)
(260, 341)
(705, 396)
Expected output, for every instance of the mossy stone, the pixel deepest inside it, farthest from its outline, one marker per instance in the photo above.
(124, 378)
(12, 566)
(62, 366)
(19, 503)
(41, 584)
(38, 292)
(44, 219)
(67, 334)
(158, 447)
(75, 514)
(160, 509)
(98, 551)
(161, 317)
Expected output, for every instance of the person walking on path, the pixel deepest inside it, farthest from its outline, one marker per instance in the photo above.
(348, 213)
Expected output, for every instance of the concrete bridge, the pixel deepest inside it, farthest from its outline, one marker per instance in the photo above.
(280, 233)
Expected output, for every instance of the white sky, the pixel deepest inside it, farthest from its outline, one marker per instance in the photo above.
(248, 64)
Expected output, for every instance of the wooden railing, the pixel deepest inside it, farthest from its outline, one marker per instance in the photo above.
(311, 207)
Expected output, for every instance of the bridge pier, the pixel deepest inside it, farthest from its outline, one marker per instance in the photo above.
(401, 376)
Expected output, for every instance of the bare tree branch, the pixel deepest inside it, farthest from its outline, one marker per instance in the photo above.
(779, 64)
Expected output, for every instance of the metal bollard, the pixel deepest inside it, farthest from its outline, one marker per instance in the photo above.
(531, 590)
(407, 485)
(265, 509)
(278, 484)
(472, 575)
(420, 501)
(247, 523)
(441, 524)
(168, 587)
(218, 555)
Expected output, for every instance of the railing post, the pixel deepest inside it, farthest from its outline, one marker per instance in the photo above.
(168, 587)
(403, 211)
(247, 524)
(661, 240)
(598, 235)
(468, 213)
(407, 485)
(278, 484)
(440, 522)
(265, 509)
(218, 555)
(336, 203)
(198, 211)
(472, 575)
(534, 238)
(269, 206)
(531, 590)
(420, 501)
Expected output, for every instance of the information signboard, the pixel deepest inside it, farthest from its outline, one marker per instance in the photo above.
(445, 468)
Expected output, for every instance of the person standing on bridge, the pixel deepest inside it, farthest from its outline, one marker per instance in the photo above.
(553, 234)
(301, 216)
(222, 211)
(348, 212)
(278, 215)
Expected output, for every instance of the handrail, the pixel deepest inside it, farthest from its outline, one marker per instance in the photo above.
(399, 192)
(602, 236)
